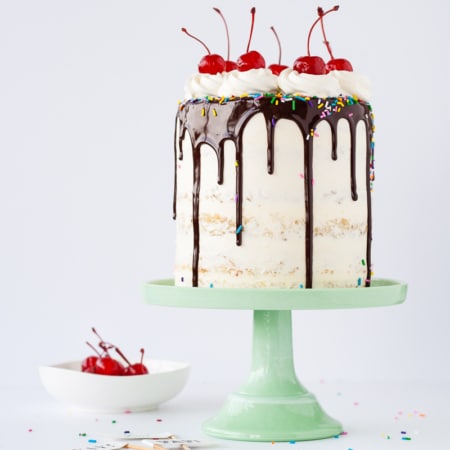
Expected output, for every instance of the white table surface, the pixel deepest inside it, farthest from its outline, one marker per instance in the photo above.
(375, 416)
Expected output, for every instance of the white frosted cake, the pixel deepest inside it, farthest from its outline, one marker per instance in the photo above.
(273, 180)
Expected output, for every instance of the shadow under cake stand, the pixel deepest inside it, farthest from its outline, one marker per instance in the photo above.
(272, 405)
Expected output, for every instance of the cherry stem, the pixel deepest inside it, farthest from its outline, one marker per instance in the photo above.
(218, 11)
(142, 355)
(93, 348)
(252, 12)
(325, 40)
(196, 38)
(95, 332)
(319, 19)
(103, 345)
(279, 44)
(122, 355)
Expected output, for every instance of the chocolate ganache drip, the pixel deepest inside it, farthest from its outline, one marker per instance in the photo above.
(214, 121)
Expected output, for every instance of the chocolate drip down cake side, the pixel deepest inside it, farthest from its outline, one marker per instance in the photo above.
(273, 174)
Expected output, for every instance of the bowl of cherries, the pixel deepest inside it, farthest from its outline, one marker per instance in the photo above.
(107, 381)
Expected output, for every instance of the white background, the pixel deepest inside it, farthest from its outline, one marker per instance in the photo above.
(88, 95)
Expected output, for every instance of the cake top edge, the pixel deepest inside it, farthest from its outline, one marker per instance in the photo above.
(277, 98)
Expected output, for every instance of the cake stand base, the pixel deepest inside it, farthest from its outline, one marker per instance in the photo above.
(272, 405)
(248, 418)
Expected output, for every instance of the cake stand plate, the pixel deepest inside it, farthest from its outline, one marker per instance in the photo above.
(381, 293)
(272, 405)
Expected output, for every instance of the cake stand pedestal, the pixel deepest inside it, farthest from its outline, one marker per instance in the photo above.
(272, 405)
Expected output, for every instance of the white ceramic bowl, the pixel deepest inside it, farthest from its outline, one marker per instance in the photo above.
(113, 394)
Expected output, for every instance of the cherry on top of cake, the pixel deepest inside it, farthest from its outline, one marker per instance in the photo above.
(277, 68)
(333, 63)
(315, 65)
(251, 59)
(229, 64)
(214, 63)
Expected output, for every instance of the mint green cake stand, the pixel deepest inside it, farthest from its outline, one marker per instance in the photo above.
(272, 405)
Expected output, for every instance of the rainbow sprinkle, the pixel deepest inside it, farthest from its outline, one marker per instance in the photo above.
(330, 104)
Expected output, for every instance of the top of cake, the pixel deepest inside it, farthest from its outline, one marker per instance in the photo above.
(309, 76)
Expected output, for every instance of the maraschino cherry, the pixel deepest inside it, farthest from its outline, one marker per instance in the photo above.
(251, 59)
(333, 63)
(229, 65)
(136, 368)
(314, 65)
(139, 368)
(88, 364)
(211, 63)
(105, 365)
(108, 366)
(277, 68)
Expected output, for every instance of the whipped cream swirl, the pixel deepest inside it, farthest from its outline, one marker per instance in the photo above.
(248, 82)
(203, 85)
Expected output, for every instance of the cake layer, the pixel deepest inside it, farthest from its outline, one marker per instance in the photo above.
(273, 191)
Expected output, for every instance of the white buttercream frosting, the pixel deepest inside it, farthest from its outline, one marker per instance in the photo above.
(291, 82)
(203, 85)
(236, 83)
(352, 83)
(249, 82)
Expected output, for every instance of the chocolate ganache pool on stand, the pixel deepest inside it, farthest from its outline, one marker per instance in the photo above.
(273, 188)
